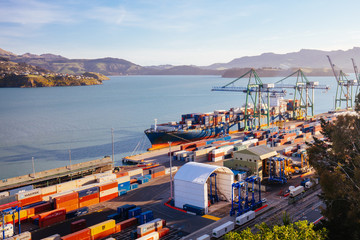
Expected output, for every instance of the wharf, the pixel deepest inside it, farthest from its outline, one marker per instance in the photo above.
(79, 169)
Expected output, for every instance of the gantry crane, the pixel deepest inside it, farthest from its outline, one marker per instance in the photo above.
(301, 94)
(254, 98)
(357, 77)
(344, 88)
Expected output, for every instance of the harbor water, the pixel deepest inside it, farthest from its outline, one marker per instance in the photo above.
(62, 125)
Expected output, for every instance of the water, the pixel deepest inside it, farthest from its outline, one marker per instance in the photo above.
(45, 123)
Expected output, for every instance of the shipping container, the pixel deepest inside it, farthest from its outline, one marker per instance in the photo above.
(123, 179)
(125, 224)
(103, 229)
(52, 237)
(89, 200)
(7, 230)
(85, 181)
(223, 229)
(154, 225)
(78, 212)
(194, 209)
(296, 191)
(51, 217)
(88, 191)
(150, 236)
(9, 217)
(22, 236)
(4, 194)
(124, 210)
(145, 217)
(244, 218)
(134, 186)
(108, 185)
(66, 186)
(7, 200)
(20, 189)
(134, 212)
(163, 232)
(124, 186)
(204, 237)
(135, 171)
(84, 234)
(78, 225)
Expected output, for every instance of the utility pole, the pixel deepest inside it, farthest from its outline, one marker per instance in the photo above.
(33, 165)
(171, 185)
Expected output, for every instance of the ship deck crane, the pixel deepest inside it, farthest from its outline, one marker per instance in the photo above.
(253, 90)
(344, 88)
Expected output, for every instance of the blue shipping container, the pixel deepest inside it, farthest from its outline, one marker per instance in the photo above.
(148, 176)
(88, 191)
(77, 212)
(146, 217)
(122, 192)
(124, 209)
(194, 209)
(124, 186)
(134, 212)
(134, 186)
(21, 189)
(136, 176)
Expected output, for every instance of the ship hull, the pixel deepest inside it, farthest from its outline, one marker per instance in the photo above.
(161, 139)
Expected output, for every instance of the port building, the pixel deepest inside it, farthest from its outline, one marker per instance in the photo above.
(194, 182)
(251, 159)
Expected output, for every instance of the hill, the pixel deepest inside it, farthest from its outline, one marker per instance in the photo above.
(24, 75)
(305, 58)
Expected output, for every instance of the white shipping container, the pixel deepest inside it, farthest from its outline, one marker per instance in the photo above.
(22, 236)
(108, 192)
(244, 218)
(204, 237)
(155, 224)
(4, 194)
(296, 191)
(49, 189)
(173, 169)
(27, 194)
(123, 179)
(66, 186)
(52, 237)
(53, 196)
(217, 158)
(106, 178)
(85, 180)
(150, 236)
(223, 229)
(8, 229)
(136, 171)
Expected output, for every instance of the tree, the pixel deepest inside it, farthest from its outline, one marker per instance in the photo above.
(337, 162)
(300, 230)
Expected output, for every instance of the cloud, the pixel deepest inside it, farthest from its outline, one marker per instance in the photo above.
(26, 12)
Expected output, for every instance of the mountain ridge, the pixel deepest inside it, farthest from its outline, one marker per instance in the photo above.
(304, 58)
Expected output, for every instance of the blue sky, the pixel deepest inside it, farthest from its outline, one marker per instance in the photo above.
(199, 32)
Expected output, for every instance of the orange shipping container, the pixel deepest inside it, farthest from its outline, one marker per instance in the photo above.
(89, 197)
(158, 174)
(66, 197)
(30, 200)
(49, 218)
(84, 234)
(163, 232)
(107, 186)
(89, 202)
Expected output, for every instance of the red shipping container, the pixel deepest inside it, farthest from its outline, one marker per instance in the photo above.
(163, 232)
(89, 197)
(49, 218)
(108, 197)
(107, 186)
(42, 208)
(30, 200)
(67, 197)
(103, 234)
(78, 225)
(10, 205)
(125, 224)
(67, 203)
(84, 234)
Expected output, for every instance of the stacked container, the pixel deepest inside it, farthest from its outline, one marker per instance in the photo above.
(29, 197)
(102, 230)
(68, 201)
(84, 234)
(47, 191)
(147, 228)
(134, 212)
(66, 186)
(88, 196)
(157, 171)
(49, 218)
(108, 191)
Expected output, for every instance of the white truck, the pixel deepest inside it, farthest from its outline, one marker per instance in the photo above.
(296, 191)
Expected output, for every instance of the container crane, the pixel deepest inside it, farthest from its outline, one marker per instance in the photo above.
(356, 76)
(344, 88)
(254, 98)
(302, 102)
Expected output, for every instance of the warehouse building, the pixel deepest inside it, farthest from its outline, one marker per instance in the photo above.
(192, 184)
(251, 159)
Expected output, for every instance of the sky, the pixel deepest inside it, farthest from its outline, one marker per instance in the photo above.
(177, 32)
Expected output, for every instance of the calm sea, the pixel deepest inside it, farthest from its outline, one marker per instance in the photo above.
(45, 123)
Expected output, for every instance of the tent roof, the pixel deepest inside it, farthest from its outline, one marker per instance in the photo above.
(198, 172)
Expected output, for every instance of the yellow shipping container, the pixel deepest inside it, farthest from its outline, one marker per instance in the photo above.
(102, 227)
(9, 218)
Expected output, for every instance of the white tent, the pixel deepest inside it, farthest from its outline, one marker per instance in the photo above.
(191, 184)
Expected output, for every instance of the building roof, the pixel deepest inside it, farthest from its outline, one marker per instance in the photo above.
(199, 172)
(261, 151)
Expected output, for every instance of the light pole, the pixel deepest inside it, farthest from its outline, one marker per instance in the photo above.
(171, 186)
(33, 165)
(112, 139)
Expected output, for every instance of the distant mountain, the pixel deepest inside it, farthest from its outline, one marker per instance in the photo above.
(305, 58)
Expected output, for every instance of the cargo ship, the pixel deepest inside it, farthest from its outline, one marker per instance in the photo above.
(197, 126)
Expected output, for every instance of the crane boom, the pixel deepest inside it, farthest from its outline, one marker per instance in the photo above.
(355, 70)
(333, 69)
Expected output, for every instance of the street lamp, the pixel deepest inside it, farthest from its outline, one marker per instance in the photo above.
(171, 186)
